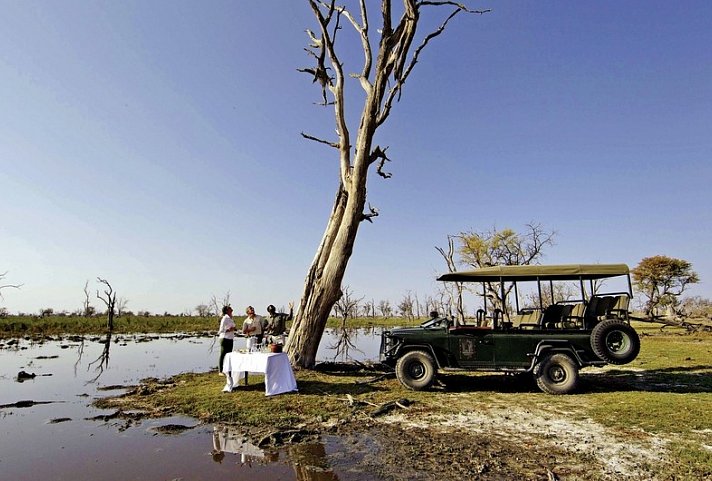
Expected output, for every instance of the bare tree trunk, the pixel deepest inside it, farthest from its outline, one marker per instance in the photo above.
(383, 74)
(322, 287)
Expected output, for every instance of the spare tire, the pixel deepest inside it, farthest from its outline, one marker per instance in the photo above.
(615, 341)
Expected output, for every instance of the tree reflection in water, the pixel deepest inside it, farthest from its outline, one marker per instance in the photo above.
(309, 462)
(100, 363)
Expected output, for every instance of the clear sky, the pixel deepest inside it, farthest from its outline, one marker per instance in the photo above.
(157, 145)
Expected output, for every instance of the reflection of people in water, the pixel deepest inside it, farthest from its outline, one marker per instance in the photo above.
(230, 440)
(217, 451)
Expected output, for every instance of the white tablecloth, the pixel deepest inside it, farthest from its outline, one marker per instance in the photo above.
(279, 377)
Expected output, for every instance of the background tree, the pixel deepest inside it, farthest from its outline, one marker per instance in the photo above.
(453, 290)
(347, 306)
(109, 298)
(216, 304)
(87, 309)
(369, 308)
(662, 280)
(384, 307)
(561, 292)
(405, 306)
(503, 247)
(695, 307)
(203, 310)
(382, 76)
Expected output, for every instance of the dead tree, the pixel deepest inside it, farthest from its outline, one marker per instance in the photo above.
(216, 304)
(382, 76)
(109, 298)
(345, 307)
(87, 309)
(454, 290)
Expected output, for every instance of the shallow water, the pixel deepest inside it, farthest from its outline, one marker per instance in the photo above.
(57, 441)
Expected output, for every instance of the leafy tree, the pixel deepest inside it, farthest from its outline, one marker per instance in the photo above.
(385, 67)
(499, 247)
(662, 279)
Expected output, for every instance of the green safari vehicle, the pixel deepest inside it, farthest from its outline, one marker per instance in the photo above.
(552, 344)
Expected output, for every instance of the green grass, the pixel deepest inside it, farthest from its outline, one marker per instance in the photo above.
(666, 392)
(18, 326)
(14, 326)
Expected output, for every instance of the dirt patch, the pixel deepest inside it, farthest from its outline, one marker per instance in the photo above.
(529, 443)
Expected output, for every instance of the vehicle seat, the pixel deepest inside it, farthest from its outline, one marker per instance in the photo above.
(589, 315)
(527, 318)
(552, 316)
(575, 316)
(603, 309)
(620, 306)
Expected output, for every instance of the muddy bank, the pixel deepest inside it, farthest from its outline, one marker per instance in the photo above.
(410, 442)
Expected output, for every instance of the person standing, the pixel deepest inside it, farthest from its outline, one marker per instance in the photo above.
(226, 334)
(277, 321)
(252, 327)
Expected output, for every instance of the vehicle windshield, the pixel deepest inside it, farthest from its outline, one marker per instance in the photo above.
(436, 322)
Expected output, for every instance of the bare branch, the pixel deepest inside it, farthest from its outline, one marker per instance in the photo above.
(377, 154)
(460, 6)
(373, 212)
(337, 86)
(401, 78)
(321, 141)
(7, 286)
(362, 30)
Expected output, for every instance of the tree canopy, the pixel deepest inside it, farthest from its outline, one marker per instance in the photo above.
(662, 279)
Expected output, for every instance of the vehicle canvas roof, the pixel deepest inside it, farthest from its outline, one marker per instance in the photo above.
(563, 272)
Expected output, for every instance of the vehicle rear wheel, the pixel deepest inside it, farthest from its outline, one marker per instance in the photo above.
(615, 341)
(557, 374)
(416, 370)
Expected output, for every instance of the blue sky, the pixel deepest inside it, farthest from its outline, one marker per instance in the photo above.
(157, 145)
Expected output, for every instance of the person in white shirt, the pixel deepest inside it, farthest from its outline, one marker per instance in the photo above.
(252, 327)
(226, 333)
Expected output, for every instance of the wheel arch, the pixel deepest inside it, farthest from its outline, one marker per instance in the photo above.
(554, 346)
(420, 347)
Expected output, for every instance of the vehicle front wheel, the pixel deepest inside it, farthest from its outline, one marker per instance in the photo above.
(557, 374)
(416, 370)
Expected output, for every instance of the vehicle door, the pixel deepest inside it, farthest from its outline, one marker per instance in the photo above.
(472, 347)
(514, 349)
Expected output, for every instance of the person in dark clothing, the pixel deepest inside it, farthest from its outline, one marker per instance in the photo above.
(226, 333)
(277, 321)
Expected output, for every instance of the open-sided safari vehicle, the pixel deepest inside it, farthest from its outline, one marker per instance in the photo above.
(551, 343)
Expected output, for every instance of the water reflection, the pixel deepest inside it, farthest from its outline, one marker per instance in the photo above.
(101, 362)
(309, 461)
(227, 439)
(72, 371)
